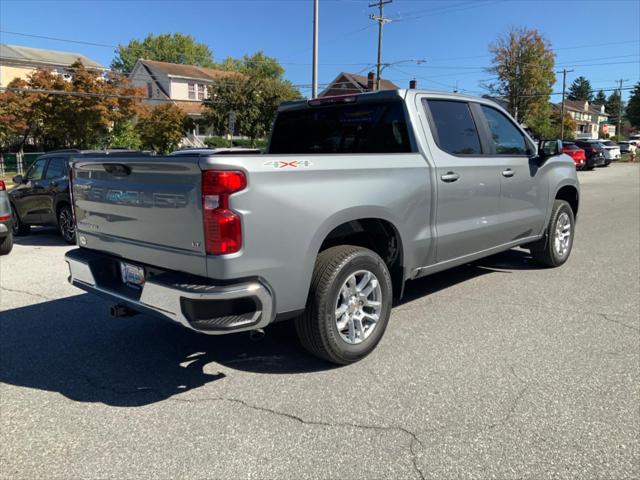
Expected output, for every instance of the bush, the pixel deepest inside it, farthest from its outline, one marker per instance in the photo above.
(216, 142)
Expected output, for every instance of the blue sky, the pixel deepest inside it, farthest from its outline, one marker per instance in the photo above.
(597, 39)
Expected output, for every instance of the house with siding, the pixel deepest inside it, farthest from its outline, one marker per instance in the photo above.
(17, 61)
(183, 85)
(589, 118)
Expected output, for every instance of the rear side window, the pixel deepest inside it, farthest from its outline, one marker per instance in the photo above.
(360, 128)
(506, 137)
(56, 168)
(455, 130)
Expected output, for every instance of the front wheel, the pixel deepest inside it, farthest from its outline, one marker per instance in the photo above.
(66, 224)
(17, 227)
(348, 306)
(6, 244)
(560, 234)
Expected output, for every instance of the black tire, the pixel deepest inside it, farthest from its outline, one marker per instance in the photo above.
(546, 253)
(66, 225)
(317, 328)
(18, 228)
(6, 244)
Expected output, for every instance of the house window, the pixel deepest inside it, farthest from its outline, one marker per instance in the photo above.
(200, 91)
(149, 90)
(192, 91)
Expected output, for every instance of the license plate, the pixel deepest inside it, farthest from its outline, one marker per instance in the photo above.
(132, 275)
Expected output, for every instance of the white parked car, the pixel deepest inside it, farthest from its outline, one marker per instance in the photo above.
(627, 147)
(611, 150)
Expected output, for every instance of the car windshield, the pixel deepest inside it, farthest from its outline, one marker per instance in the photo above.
(609, 144)
(571, 146)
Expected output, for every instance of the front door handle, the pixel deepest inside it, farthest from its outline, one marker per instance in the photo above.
(508, 173)
(450, 177)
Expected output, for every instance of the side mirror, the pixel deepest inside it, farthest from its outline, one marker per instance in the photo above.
(549, 148)
(18, 179)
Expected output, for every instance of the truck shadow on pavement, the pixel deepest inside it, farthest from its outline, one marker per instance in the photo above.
(71, 346)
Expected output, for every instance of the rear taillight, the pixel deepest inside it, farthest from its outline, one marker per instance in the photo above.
(2, 185)
(222, 226)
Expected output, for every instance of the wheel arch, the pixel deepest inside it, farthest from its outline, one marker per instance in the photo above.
(571, 195)
(372, 229)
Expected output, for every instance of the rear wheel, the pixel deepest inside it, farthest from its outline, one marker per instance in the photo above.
(6, 244)
(556, 250)
(17, 227)
(66, 225)
(348, 306)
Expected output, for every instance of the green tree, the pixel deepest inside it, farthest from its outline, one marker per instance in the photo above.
(633, 107)
(523, 63)
(614, 106)
(258, 64)
(168, 47)
(580, 89)
(161, 128)
(253, 94)
(600, 98)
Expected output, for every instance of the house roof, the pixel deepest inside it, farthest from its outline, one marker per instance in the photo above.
(359, 82)
(40, 56)
(188, 71)
(578, 106)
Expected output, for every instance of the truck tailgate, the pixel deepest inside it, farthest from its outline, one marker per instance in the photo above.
(147, 209)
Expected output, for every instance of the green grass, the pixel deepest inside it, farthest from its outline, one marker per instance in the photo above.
(626, 157)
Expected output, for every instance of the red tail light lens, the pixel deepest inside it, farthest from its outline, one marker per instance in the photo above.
(222, 226)
(2, 185)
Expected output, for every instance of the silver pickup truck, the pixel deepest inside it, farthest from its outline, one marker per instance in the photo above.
(354, 196)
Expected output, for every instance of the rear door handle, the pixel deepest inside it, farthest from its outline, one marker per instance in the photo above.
(450, 177)
(508, 173)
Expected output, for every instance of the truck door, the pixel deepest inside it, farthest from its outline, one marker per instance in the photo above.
(523, 195)
(468, 185)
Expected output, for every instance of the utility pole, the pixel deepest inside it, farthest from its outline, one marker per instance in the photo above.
(381, 19)
(564, 88)
(620, 82)
(314, 73)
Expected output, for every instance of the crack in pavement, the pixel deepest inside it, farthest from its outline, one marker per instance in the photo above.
(296, 418)
(51, 299)
(605, 316)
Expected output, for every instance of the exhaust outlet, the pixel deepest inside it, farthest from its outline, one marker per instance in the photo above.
(256, 335)
(120, 310)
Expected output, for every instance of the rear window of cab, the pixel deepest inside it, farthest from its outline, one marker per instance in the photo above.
(371, 127)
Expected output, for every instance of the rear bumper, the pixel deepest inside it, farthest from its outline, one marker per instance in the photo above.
(194, 302)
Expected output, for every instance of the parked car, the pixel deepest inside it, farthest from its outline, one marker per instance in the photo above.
(611, 151)
(355, 195)
(6, 235)
(627, 147)
(594, 153)
(216, 151)
(576, 153)
(41, 195)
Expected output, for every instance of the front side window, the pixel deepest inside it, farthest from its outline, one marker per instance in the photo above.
(507, 139)
(57, 168)
(36, 170)
(192, 91)
(379, 127)
(200, 91)
(455, 130)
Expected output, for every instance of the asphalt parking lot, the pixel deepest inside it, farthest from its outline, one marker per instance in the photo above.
(498, 369)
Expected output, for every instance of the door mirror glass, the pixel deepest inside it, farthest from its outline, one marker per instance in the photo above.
(549, 148)
(18, 179)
